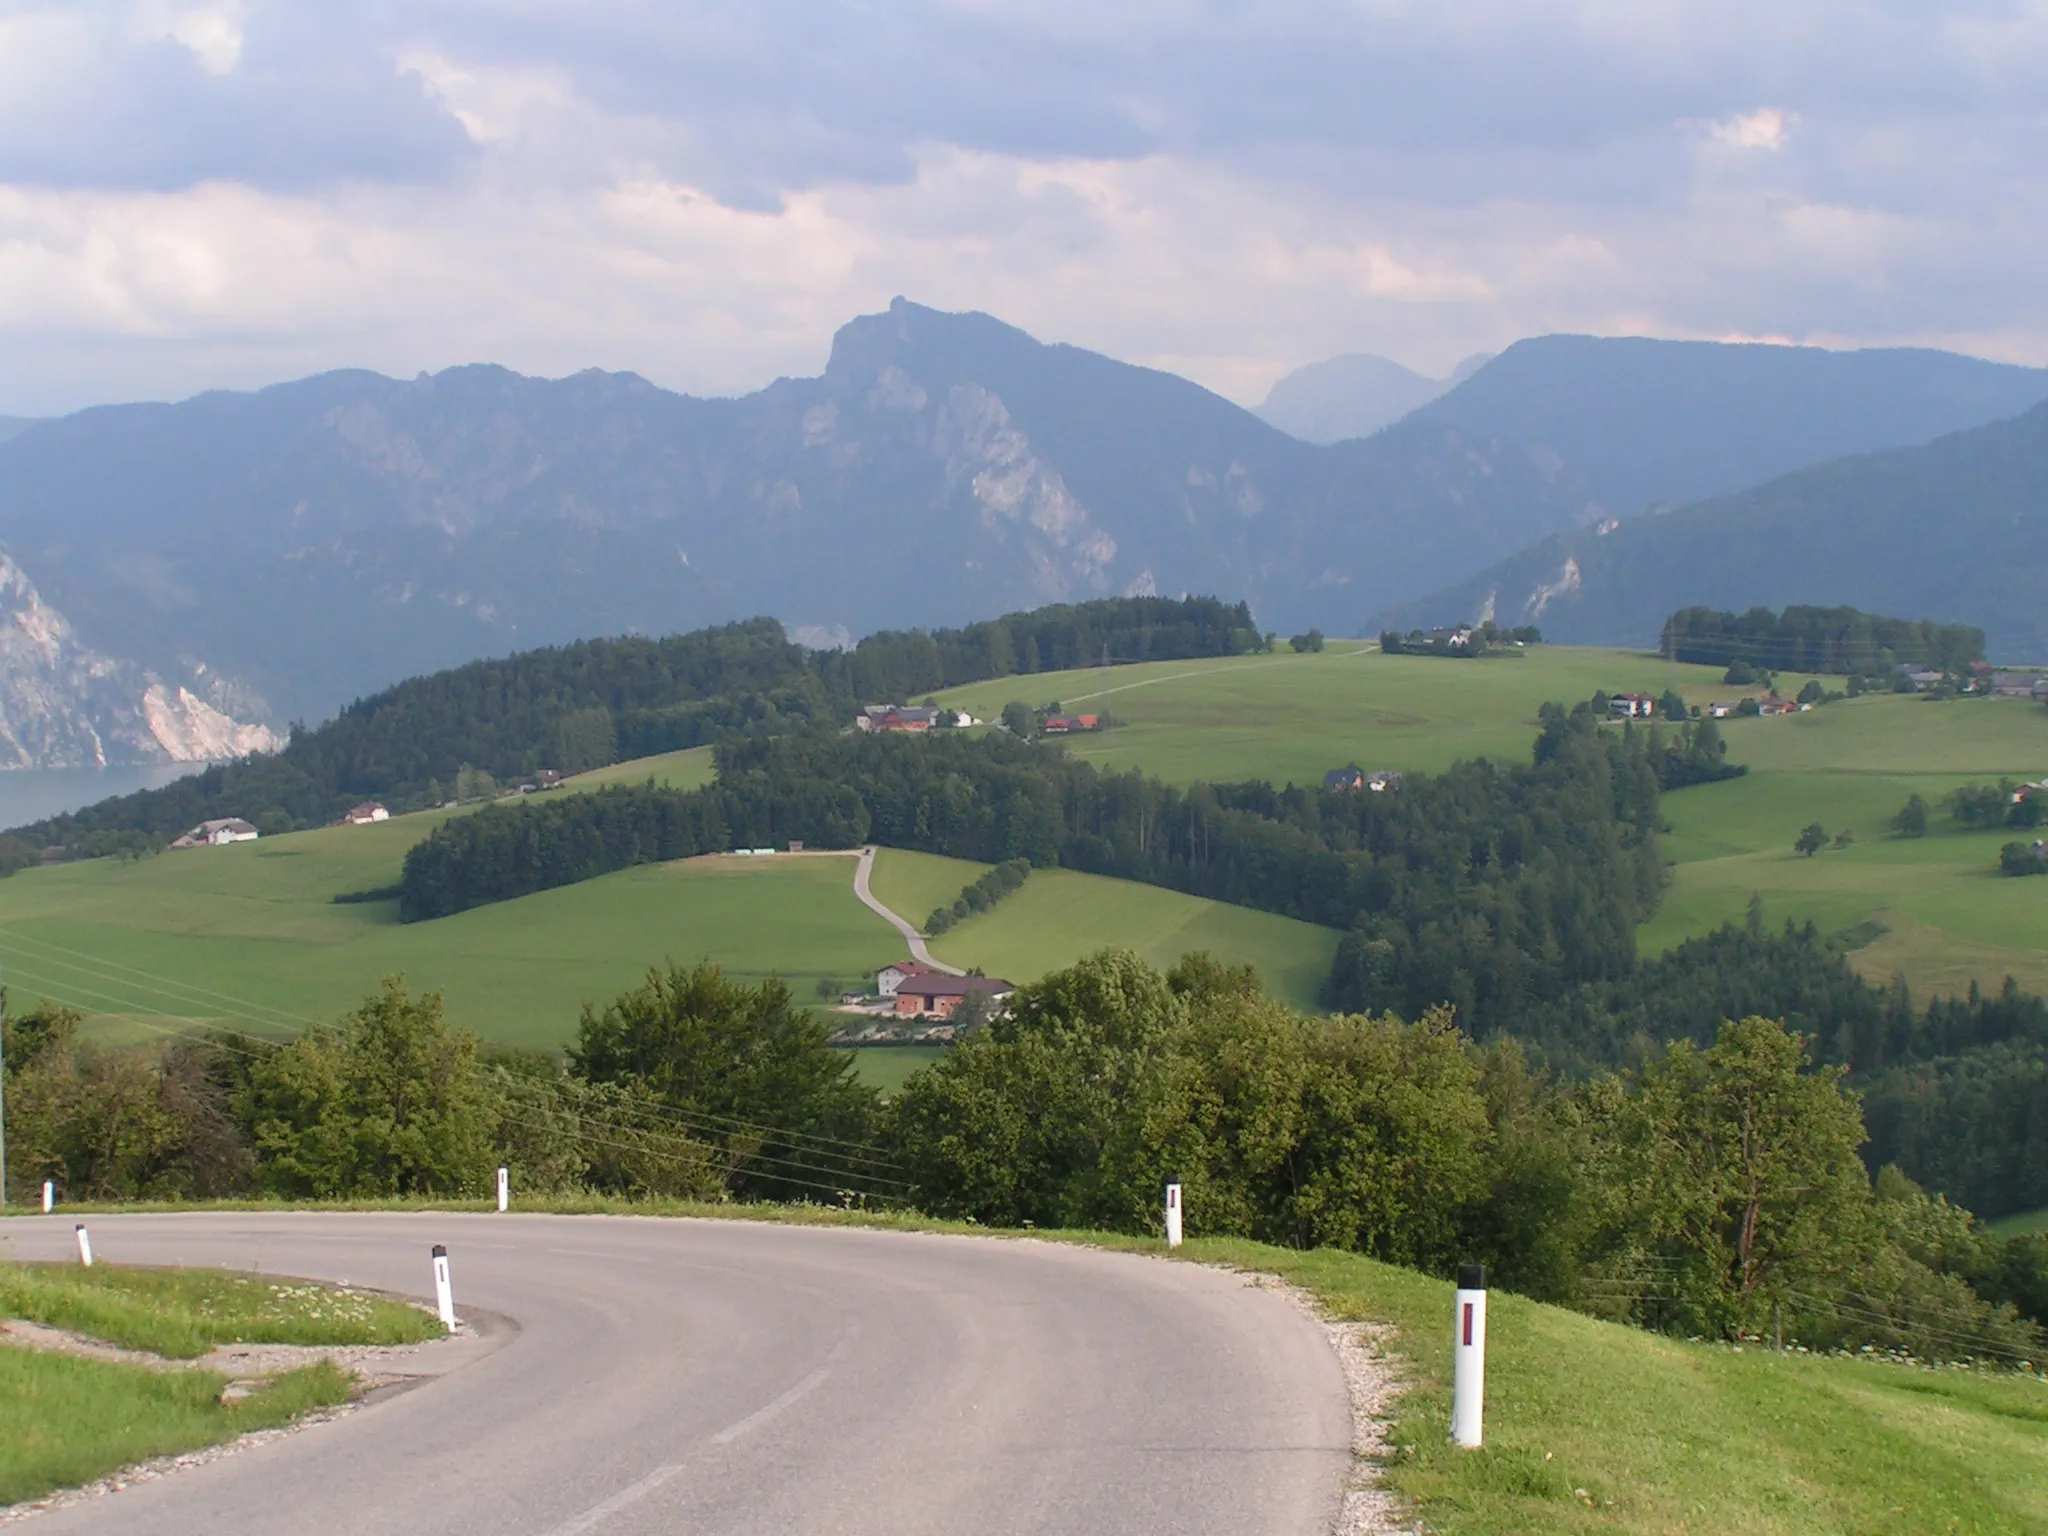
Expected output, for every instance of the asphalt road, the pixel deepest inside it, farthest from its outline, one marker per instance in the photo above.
(734, 1377)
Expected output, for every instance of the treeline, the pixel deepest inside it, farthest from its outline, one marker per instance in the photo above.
(575, 707)
(1647, 1196)
(689, 1085)
(1842, 641)
(1488, 887)
(979, 895)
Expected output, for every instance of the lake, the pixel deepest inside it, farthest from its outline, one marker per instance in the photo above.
(30, 794)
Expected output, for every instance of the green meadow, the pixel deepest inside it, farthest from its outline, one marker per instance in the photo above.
(250, 936)
(1059, 916)
(1292, 718)
(1935, 909)
(1939, 911)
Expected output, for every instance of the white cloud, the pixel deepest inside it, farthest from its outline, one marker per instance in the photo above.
(1767, 128)
(204, 194)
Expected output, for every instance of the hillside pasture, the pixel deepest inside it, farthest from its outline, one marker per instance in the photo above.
(1948, 916)
(1291, 718)
(1060, 915)
(248, 936)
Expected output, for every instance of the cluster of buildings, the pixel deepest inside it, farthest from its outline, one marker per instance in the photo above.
(909, 717)
(914, 1004)
(1377, 782)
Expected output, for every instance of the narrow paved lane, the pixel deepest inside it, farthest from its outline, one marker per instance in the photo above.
(901, 924)
(733, 1377)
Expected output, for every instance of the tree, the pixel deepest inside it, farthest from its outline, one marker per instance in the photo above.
(1738, 1173)
(1740, 674)
(1812, 838)
(1911, 820)
(390, 1100)
(743, 1067)
(1672, 705)
(1812, 693)
(1312, 641)
(1844, 839)
(1018, 719)
(827, 986)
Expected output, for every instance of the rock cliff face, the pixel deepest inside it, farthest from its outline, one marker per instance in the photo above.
(65, 705)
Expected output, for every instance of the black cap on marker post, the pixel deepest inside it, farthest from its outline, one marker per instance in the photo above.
(1471, 1277)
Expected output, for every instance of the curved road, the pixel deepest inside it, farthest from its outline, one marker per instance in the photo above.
(734, 1377)
(901, 924)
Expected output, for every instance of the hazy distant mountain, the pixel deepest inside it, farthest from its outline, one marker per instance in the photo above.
(1954, 530)
(1655, 423)
(1352, 396)
(13, 426)
(319, 539)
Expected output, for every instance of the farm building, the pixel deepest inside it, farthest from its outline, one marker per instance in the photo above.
(369, 811)
(896, 717)
(218, 833)
(935, 994)
(890, 977)
(1064, 725)
(1631, 706)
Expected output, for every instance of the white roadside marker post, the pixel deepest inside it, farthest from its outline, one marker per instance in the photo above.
(504, 1189)
(1173, 1232)
(444, 1287)
(84, 1246)
(49, 1196)
(1468, 1356)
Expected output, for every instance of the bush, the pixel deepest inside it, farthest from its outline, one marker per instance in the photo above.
(1911, 820)
(1740, 674)
(1312, 641)
(979, 895)
(2022, 859)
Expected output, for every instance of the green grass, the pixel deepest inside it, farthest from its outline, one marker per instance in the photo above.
(1290, 717)
(888, 1067)
(1594, 1427)
(1059, 916)
(2020, 1223)
(249, 935)
(1950, 916)
(691, 768)
(66, 1421)
(181, 1314)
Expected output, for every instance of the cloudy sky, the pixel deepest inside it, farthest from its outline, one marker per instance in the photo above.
(235, 192)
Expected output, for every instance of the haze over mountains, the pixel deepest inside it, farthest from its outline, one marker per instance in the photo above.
(1353, 396)
(1955, 530)
(268, 555)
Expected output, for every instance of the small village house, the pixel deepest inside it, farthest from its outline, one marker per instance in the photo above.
(369, 811)
(1631, 706)
(890, 977)
(932, 993)
(218, 834)
(896, 717)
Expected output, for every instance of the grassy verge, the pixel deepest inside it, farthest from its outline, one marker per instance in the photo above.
(1593, 1427)
(65, 1421)
(182, 1313)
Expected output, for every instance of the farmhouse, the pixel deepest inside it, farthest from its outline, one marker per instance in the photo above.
(369, 811)
(932, 993)
(1378, 781)
(890, 977)
(219, 833)
(2018, 685)
(896, 717)
(1631, 706)
(1062, 725)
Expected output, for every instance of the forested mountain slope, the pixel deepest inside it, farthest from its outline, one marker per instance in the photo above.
(1651, 423)
(1955, 530)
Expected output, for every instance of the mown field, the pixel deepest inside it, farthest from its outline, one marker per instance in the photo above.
(1059, 916)
(1947, 916)
(250, 936)
(1292, 718)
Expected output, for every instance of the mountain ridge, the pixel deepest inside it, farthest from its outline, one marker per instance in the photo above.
(1955, 531)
